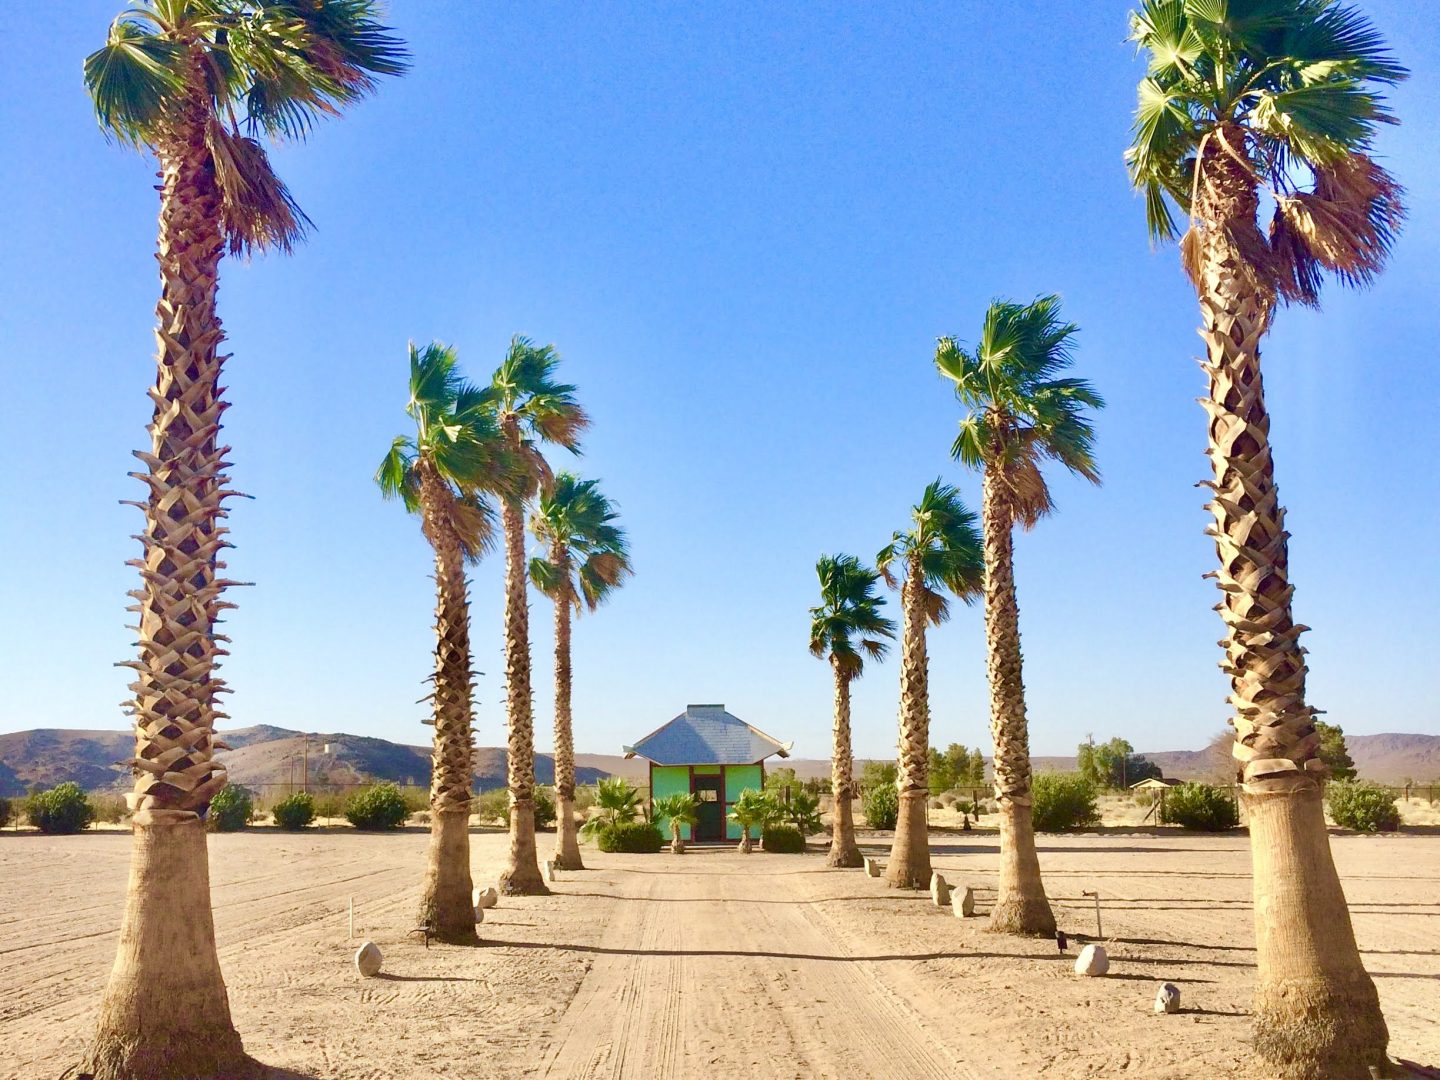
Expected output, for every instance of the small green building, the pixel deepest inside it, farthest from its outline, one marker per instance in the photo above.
(713, 755)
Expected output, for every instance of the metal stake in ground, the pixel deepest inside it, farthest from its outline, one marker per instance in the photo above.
(1099, 933)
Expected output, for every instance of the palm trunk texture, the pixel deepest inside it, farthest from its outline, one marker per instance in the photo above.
(909, 865)
(165, 1012)
(567, 845)
(843, 849)
(446, 904)
(1021, 906)
(1316, 1010)
(522, 873)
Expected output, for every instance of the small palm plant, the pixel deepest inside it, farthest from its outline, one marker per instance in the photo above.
(680, 809)
(939, 553)
(753, 810)
(1021, 413)
(587, 558)
(616, 803)
(803, 812)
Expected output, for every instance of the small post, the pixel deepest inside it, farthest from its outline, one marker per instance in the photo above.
(1099, 932)
(352, 918)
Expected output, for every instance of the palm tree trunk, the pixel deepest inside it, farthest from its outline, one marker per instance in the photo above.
(446, 904)
(522, 873)
(1021, 906)
(843, 849)
(909, 865)
(567, 845)
(1316, 1009)
(165, 1012)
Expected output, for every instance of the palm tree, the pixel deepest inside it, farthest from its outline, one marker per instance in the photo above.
(531, 408)
(199, 83)
(845, 628)
(439, 473)
(679, 810)
(1280, 99)
(939, 553)
(752, 810)
(616, 803)
(587, 559)
(1022, 413)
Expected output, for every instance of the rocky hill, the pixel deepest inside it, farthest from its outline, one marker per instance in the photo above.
(260, 755)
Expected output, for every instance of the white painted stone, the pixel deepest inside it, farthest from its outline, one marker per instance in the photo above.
(872, 868)
(368, 959)
(939, 890)
(1092, 961)
(479, 914)
(486, 898)
(967, 903)
(1167, 998)
(549, 870)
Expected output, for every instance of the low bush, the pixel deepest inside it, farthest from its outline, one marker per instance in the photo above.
(375, 808)
(1063, 801)
(782, 840)
(1199, 806)
(881, 804)
(935, 804)
(417, 799)
(62, 809)
(329, 806)
(544, 809)
(295, 812)
(111, 809)
(492, 807)
(1362, 806)
(231, 809)
(6, 810)
(636, 837)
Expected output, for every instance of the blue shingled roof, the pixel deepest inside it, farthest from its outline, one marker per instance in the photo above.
(707, 735)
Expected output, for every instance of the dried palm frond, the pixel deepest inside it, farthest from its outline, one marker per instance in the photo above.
(255, 205)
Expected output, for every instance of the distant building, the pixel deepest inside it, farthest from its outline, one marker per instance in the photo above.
(713, 755)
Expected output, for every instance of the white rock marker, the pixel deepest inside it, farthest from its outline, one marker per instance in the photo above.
(939, 890)
(549, 870)
(479, 914)
(485, 898)
(1167, 998)
(1092, 961)
(368, 959)
(966, 907)
(872, 868)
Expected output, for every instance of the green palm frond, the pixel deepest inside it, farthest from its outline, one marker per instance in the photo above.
(846, 626)
(941, 552)
(589, 553)
(1290, 90)
(1021, 408)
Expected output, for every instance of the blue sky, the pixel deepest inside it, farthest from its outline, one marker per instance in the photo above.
(743, 227)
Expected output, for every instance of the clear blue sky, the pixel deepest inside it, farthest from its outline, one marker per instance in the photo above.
(744, 228)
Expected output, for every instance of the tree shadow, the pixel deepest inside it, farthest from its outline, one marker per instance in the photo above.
(387, 976)
(898, 894)
(772, 955)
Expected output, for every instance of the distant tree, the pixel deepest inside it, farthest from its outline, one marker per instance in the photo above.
(956, 767)
(1333, 751)
(1114, 764)
(781, 779)
(878, 773)
(975, 774)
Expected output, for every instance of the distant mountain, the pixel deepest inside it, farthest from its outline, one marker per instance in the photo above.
(260, 755)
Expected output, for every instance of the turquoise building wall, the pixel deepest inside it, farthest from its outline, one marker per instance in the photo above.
(675, 780)
(737, 779)
(670, 780)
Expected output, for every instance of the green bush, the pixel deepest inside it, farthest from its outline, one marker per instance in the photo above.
(544, 809)
(881, 804)
(1063, 801)
(111, 809)
(295, 812)
(1362, 806)
(329, 806)
(379, 807)
(782, 840)
(231, 809)
(803, 812)
(1199, 806)
(637, 837)
(5, 811)
(492, 807)
(62, 809)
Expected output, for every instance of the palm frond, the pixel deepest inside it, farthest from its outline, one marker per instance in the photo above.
(256, 207)
(849, 608)
(396, 474)
(131, 80)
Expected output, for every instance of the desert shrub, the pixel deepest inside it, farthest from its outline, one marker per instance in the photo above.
(1063, 801)
(802, 812)
(62, 809)
(584, 798)
(544, 809)
(329, 806)
(417, 800)
(636, 837)
(934, 804)
(782, 839)
(381, 806)
(881, 805)
(111, 809)
(492, 807)
(5, 812)
(1199, 806)
(231, 809)
(295, 812)
(948, 800)
(1362, 806)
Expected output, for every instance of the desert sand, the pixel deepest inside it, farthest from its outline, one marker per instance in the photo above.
(711, 963)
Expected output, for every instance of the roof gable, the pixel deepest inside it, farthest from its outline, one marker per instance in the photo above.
(707, 735)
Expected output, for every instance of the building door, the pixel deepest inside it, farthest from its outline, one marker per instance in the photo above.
(710, 813)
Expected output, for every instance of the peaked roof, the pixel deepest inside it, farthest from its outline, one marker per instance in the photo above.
(707, 735)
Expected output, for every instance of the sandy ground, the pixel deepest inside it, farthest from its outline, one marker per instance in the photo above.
(712, 963)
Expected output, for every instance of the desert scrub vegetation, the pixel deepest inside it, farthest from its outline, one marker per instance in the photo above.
(636, 837)
(294, 812)
(111, 809)
(376, 808)
(231, 809)
(1362, 806)
(881, 806)
(1063, 801)
(6, 811)
(61, 810)
(782, 840)
(1193, 805)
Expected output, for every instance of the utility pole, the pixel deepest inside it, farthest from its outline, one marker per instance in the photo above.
(305, 773)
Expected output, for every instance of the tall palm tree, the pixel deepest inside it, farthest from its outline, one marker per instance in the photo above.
(845, 628)
(1278, 99)
(1021, 414)
(532, 408)
(939, 553)
(587, 558)
(440, 473)
(198, 83)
